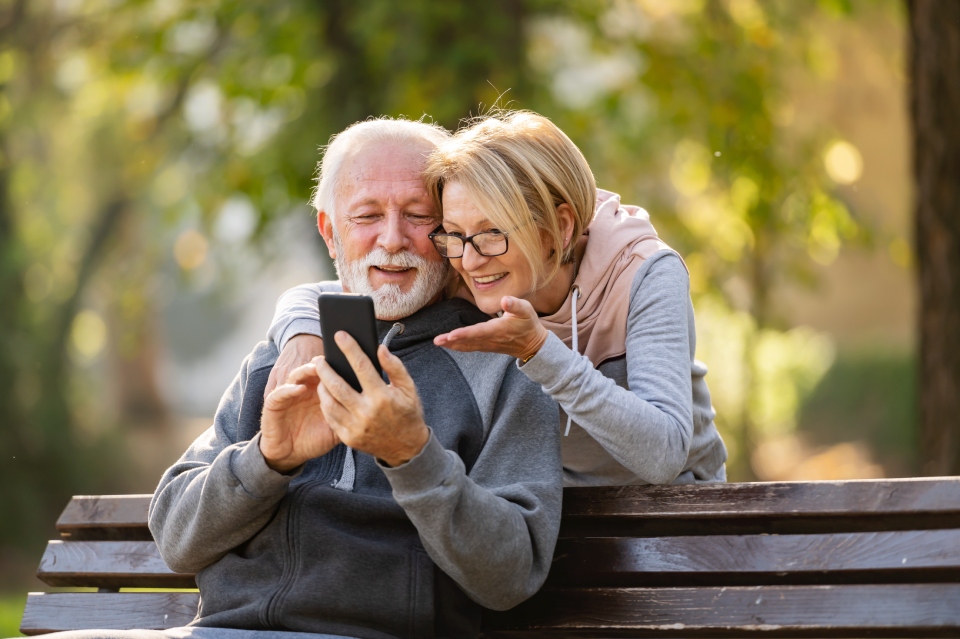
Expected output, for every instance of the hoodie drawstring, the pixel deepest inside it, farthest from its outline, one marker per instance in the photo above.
(574, 296)
(396, 329)
(349, 474)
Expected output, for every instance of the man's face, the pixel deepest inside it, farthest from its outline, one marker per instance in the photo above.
(378, 238)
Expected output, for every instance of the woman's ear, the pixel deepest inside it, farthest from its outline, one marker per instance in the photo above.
(566, 216)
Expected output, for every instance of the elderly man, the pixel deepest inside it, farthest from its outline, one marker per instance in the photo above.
(398, 511)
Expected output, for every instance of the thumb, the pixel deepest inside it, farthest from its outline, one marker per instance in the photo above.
(519, 307)
(394, 368)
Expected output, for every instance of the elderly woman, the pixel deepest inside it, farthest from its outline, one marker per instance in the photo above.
(594, 306)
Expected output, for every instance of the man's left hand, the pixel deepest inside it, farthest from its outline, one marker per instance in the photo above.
(385, 420)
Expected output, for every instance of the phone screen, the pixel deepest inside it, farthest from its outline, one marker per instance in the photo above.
(355, 315)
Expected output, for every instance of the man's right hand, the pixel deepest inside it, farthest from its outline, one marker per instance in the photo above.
(292, 427)
(299, 350)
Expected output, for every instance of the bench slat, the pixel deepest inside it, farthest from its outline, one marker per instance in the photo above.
(765, 507)
(53, 612)
(919, 610)
(894, 557)
(656, 511)
(108, 564)
(117, 517)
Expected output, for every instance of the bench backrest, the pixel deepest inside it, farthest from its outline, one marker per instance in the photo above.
(826, 559)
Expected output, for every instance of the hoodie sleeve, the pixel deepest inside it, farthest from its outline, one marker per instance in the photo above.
(647, 427)
(297, 313)
(220, 492)
(492, 530)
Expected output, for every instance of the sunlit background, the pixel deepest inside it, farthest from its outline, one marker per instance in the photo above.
(156, 158)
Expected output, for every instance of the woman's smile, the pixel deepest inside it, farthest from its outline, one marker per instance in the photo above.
(487, 280)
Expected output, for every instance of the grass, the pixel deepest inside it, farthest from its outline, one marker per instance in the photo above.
(11, 610)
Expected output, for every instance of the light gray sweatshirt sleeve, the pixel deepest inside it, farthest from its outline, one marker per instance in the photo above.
(492, 530)
(297, 312)
(648, 426)
(220, 492)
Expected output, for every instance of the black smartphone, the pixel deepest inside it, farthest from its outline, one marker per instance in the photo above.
(353, 314)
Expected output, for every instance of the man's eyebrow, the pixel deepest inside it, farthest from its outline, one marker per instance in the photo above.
(365, 202)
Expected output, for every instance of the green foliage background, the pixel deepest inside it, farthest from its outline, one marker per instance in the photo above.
(122, 122)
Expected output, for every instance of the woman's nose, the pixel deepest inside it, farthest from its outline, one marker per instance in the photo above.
(471, 258)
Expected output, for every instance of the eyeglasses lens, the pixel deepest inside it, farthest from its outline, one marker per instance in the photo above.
(488, 244)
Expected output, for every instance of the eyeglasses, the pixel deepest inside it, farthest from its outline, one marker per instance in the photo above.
(488, 243)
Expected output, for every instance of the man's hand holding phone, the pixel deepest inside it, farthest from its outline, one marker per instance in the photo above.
(384, 420)
(292, 427)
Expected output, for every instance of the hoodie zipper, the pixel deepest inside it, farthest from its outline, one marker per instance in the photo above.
(290, 560)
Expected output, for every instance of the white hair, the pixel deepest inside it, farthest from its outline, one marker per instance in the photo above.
(389, 302)
(383, 130)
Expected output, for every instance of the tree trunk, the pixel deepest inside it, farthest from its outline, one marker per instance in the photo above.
(935, 111)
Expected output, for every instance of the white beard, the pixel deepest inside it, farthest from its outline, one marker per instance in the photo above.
(389, 302)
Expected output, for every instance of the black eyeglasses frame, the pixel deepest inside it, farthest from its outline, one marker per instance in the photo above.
(468, 238)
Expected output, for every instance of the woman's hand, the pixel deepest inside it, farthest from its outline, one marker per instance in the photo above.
(517, 332)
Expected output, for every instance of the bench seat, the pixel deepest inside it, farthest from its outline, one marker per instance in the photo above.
(875, 558)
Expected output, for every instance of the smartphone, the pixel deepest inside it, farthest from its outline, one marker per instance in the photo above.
(353, 314)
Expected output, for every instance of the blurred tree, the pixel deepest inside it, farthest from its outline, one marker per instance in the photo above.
(935, 103)
(128, 131)
(151, 144)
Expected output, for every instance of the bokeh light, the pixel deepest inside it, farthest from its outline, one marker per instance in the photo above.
(88, 334)
(190, 249)
(843, 162)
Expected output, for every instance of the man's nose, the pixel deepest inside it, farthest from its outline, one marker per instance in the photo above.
(392, 237)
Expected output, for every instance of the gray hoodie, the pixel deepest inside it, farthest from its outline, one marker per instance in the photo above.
(347, 546)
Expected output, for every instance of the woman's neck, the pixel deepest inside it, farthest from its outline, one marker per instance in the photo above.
(549, 298)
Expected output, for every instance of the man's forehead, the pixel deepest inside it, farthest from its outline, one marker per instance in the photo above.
(380, 172)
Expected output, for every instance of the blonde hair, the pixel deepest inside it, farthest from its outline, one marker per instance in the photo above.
(518, 167)
(343, 145)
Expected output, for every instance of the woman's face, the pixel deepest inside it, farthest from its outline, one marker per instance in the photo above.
(488, 278)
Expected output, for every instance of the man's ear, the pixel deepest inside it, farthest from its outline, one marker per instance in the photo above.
(325, 226)
(566, 216)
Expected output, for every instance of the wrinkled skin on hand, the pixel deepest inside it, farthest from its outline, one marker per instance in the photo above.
(292, 427)
(517, 332)
(299, 350)
(384, 420)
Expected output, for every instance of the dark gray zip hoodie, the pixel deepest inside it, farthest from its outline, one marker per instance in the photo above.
(412, 551)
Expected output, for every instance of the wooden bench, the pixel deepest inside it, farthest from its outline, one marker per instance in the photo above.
(795, 559)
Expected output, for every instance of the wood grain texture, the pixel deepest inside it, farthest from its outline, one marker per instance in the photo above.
(728, 560)
(108, 564)
(116, 517)
(763, 507)
(53, 612)
(927, 610)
